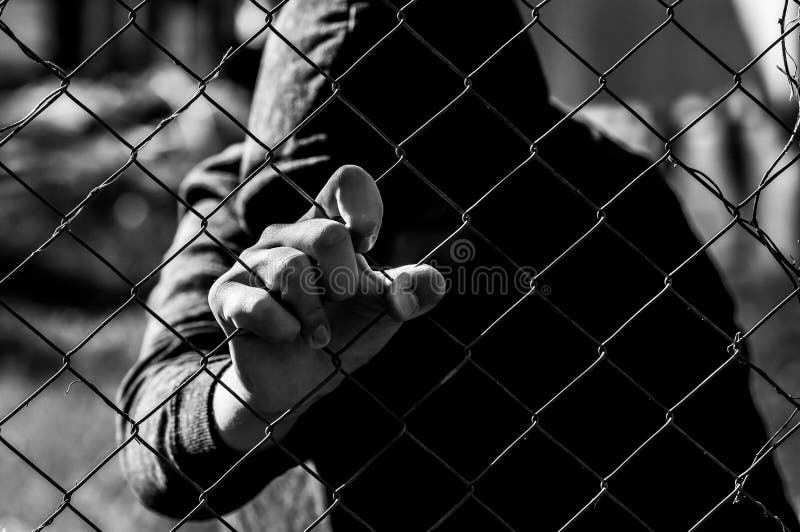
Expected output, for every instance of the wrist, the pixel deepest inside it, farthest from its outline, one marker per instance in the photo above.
(236, 424)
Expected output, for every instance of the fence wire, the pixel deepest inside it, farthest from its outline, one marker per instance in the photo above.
(536, 22)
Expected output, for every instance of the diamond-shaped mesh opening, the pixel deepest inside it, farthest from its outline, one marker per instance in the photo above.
(585, 369)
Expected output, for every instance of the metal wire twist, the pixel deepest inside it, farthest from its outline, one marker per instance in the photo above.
(536, 22)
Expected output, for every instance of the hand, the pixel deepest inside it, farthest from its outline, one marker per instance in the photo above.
(312, 294)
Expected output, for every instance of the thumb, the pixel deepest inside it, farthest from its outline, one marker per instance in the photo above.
(412, 290)
(352, 196)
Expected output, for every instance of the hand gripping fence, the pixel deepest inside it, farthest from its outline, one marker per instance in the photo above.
(535, 22)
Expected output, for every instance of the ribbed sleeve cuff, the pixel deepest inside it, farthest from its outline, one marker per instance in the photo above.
(200, 448)
(200, 453)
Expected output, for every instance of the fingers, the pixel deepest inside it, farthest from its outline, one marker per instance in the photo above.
(289, 276)
(236, 305)
(290, 260)
(326, 242)
(352, 195)
(288, 289)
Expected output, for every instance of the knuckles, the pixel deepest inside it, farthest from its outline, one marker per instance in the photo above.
(270, 235)
(287, 271)
(216, 295)
(282, 269)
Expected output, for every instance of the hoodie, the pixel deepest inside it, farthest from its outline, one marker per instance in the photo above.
(582, 405)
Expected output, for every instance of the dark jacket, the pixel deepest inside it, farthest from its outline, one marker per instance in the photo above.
(580, 403)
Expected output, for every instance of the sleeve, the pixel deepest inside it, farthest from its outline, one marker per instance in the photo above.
(167, 393)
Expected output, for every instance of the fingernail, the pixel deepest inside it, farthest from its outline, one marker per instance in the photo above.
(320, 336)
(407, 301)
(364, 244)
(371, 240)
(408, 304)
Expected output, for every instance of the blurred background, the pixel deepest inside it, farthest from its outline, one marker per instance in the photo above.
(132, 85)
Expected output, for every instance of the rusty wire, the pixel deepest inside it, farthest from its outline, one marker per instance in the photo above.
(535, 22)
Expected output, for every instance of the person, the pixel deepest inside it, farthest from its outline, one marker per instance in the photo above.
(591, 403)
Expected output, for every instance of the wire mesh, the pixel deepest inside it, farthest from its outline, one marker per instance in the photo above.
(535, 289)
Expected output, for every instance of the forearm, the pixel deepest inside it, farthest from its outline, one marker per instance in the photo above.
(177, 453)
(168, 394)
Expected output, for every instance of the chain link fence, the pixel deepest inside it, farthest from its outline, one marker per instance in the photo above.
(742, 215)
